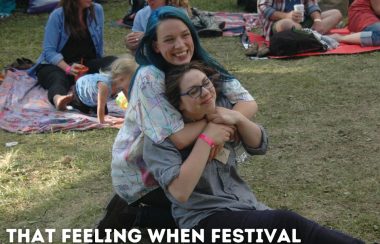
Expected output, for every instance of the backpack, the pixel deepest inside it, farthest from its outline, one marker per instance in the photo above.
(293, 41)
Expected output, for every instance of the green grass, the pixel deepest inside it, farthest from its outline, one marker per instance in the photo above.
(322, 115)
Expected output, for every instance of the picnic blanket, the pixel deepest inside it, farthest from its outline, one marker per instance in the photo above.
(343, 48)
(237, 23)
(24, 108)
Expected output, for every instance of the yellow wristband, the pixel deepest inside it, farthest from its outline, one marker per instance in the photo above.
(317, 20)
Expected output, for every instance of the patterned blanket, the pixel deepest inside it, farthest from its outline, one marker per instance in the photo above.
(24, 108)
(237, 23)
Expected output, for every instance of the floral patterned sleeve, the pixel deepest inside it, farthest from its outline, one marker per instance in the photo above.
(155, 116)
(235, 92)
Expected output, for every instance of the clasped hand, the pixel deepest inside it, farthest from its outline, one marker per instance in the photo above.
(222, 128)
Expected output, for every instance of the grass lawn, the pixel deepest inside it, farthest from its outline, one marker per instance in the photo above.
(322, 115)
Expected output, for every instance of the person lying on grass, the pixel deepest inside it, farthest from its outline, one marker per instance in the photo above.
(208, 193)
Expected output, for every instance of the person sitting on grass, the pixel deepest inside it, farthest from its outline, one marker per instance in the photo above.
(170, 40)
(73, 38)
(92, 91)
(204, 191)
(364, 15)
(133, 39)
(279, 15)
(364, 20)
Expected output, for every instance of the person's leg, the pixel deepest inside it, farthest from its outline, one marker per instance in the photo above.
(364, 38)
(373, 27)
(155, 211)
(349, 39)
(330, 19)
(285, 24)
(370, 38)
(118, 215)
(151, 211)
(95, 65)
(58, 84)
(307, 231)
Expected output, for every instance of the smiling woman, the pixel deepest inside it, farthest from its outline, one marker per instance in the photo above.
(175, 44)
(170, 40)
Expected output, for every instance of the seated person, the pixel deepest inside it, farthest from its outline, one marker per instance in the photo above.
(364, 19)
(206, 192)
(133, 39)
(279, 15)
(364, 15)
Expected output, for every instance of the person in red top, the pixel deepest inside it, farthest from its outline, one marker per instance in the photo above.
(364, 15)
(364, 21)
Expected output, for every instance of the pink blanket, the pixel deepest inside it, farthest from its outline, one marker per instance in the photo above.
(24, 108)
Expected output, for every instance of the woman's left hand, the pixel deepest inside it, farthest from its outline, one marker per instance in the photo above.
(228, 117)
(224, 116)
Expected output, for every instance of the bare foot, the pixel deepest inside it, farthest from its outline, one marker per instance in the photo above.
(337, 37)
(61, 101)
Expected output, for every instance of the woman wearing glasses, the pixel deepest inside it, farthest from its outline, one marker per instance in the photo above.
(170, 40)
(209, 194)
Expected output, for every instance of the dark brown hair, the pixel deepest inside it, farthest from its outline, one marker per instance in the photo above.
(73, 24)
(175, 74)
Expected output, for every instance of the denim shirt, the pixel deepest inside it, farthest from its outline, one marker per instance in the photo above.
(56, 36)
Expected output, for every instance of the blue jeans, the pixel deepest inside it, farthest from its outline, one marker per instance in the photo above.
(370, 36)
(373, 27)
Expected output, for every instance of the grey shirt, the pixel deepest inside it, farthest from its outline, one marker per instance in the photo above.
(220, 188)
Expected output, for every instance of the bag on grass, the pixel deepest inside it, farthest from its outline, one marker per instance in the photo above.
(293, 41)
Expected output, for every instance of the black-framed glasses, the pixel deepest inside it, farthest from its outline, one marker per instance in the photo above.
(196, 91)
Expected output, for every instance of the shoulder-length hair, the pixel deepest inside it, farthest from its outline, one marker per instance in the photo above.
(174, 76)
(145, 54)
(72, 22)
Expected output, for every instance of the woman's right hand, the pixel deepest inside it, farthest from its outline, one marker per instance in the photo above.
(76, 68)
(296, 16)
(219, 133)
(132, 40)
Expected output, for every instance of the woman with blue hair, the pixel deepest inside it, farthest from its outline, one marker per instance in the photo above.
(170, 40)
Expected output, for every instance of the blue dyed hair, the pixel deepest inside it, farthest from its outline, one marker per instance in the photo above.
(146, 55)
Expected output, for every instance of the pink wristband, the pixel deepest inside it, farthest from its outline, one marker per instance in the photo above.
(207, 139)
(67, 70)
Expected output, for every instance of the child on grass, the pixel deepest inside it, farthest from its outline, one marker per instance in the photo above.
(92, 91)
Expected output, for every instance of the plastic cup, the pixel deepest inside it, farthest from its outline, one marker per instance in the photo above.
(300, 8)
